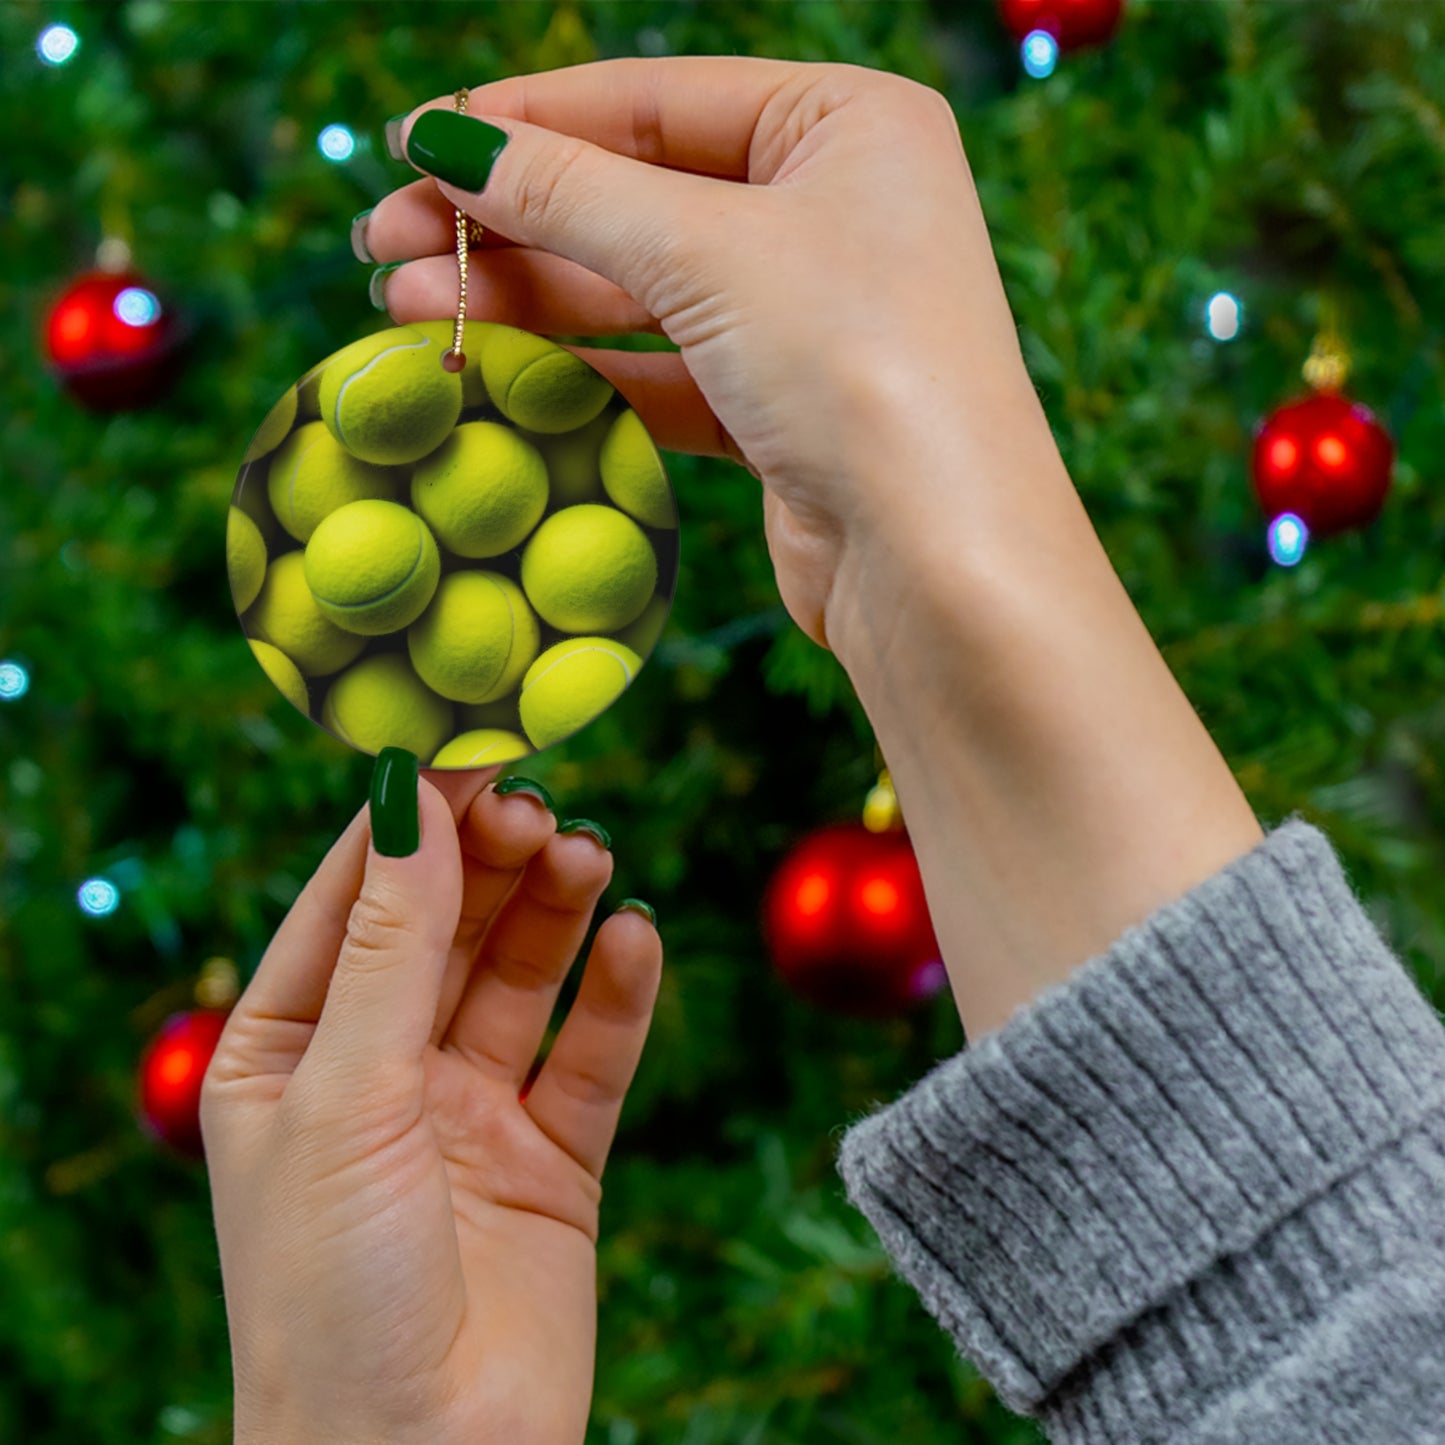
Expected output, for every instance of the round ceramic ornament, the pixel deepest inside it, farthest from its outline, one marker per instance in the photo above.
(453, 537)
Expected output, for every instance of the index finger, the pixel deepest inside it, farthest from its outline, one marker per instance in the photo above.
(695, 113)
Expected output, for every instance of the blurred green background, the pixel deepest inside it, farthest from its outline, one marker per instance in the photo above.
(1283, 152)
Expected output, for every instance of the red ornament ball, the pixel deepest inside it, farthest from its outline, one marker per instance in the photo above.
(112, 341)
(171, 1071)
(847, 924)
(1324, 458)
(1073, 23)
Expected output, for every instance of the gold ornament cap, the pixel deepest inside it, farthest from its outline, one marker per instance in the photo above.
(881, 813)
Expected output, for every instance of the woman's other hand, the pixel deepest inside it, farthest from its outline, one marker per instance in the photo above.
(408, 1246)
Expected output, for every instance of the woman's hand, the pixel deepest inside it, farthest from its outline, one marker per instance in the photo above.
(841, 306)
(408, 1248)
(811, 238)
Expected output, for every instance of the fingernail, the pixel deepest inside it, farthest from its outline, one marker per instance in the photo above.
(586, 825)
(636, 905)
(515, 784)
(395, 820)
(455, 148)
(393, 137)
(359, 247)
(376, 289)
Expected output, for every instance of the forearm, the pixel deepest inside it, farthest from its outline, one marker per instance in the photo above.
(1057, 784)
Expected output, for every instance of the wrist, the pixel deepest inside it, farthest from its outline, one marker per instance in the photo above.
(1056, 783)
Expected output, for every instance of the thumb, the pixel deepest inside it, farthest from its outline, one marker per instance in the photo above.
(633, 223)
(382, 1000)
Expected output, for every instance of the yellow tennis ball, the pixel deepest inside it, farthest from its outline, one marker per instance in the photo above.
(641, 636)
(474, 342)
(313, 474)
(372, 566)
(589, 569)
(632, 473)
(476, 639)
(245, 557)
(540, 385)
(571, 683)
(482, 490)
(481, 748)
(388, 399)
(572, 462)
(284, 673)
(286, 616)
(272, 431)
(380, 702)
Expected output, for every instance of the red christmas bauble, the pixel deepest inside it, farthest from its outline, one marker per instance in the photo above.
(847, 924)
(1324, 458)
(112, 341)
(1073, 23)
(171, 1071)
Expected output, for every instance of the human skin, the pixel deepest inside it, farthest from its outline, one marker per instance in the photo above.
(844, 331)
(810, 237)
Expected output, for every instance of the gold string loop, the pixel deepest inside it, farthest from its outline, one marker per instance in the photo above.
(469, 233)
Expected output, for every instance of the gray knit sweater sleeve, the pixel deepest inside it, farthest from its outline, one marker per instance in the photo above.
(1196, 1192)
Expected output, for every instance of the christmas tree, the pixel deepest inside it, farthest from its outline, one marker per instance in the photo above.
(1179, 214)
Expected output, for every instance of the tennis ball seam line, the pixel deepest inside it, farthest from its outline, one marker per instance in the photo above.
(385, 596)
(357, 375)
(582, 652)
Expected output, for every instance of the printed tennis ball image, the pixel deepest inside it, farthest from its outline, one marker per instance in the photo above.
(312, 475)
(482, 491)
(476, 638)
(571, 683)
(285, 614)
(245, 558)
(632, 473)
(471, 564)
(388, 399)
(380, 702)
(641, 636)
(481, 748)
(540, 385)
(273, 429)
(474, 341)
(502, 713)
(308, 393)
(372, 567)
(589, 569)
(283, 673)
(571, 461)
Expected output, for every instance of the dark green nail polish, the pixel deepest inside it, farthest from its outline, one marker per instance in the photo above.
(359, 247)
(377, 287)
(455, 148)
(586, 825)
(392, 132)
(395, 820)
(515, 784)
(636, 905)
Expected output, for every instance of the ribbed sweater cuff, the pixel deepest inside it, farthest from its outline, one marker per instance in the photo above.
(1147, 1163)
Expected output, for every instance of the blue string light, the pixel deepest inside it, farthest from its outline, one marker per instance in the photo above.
(1223, 316)
(1040, 53)
(137, 307)
(98, 897)
(14, 681)
(1288, 538)
(57, 44)
(336, 143)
